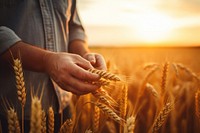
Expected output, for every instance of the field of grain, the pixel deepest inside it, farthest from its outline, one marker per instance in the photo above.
(172, 72)
(145, 90)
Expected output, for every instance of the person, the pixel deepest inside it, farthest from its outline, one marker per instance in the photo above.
(48, 37)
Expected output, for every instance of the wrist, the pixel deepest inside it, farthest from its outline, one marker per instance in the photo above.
(47, 59)
(78, 47)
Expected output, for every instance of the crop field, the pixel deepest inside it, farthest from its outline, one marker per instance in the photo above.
(144, 90)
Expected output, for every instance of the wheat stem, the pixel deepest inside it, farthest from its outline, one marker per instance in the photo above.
(197, 104)
(123, 105)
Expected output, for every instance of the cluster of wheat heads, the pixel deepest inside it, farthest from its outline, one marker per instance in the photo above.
(38, 116)
(167, 99)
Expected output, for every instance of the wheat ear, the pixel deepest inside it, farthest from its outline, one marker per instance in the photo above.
(105, 75)
(43, 124)
(101, 82)
(36, 113)
(66, 126)
(104, 97)
(149, 65)
(197, 104)
(123, 105)
(110, 112)
(101, 98)
(50, 120)
(20, 84)
(130, 125)
(96, 119)
(162, 117)
(164, 78)
(186, 69)
(88, 131)
(13, 122)
(152, 90)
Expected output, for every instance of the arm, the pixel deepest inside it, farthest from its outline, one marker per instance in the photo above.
(78, 41)
(68, 70)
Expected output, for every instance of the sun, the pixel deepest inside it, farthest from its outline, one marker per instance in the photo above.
(153, 27)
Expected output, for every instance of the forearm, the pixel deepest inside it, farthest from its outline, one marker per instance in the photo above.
(33, 58)
(78, 47)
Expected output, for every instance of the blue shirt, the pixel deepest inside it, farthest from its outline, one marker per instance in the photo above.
(49, 24)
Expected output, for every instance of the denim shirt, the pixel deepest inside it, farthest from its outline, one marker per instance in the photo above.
(49, 24)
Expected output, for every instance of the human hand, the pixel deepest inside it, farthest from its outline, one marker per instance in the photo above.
(69, 71)
(96, 60)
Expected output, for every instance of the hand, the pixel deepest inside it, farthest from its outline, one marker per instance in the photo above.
(96, 60)
(69, 71)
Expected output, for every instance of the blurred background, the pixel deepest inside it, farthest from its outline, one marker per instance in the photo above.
(141, 22)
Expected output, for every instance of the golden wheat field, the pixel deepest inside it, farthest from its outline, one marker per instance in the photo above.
(144, 90)
(173, 73)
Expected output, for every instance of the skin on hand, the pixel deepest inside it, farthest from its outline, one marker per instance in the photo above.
(96, 60)
(69, 71)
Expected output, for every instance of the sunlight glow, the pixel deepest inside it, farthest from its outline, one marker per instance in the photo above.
(153, 27)
(141, 22)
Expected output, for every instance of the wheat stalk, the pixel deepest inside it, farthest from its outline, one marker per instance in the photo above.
(123, 104)
(130, 125)
(197, 104)
(43, 124)
(50, 120)
(66, 126)
(13, 122)
(162, 117)
(20, 84)
(36, 113)
(105, 75)
(109, 112)
(96, 119)
(142, 88)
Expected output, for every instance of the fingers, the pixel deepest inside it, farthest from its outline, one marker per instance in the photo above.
(83, 74)
(76, 86)
(82, 62)
(96, 60)
(100, 62)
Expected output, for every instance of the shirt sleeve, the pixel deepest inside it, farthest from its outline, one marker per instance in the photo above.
(76, 30)
(7, 38)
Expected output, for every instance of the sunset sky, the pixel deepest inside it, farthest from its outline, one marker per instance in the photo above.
(141, 22)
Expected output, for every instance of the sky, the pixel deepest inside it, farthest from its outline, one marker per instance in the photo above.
(141, 22)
